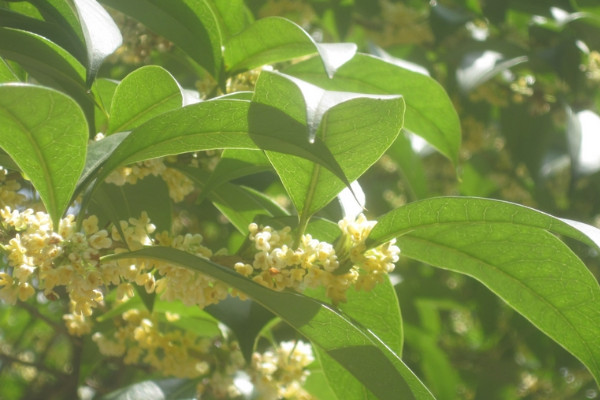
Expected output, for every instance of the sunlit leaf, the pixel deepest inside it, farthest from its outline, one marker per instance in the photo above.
(143, 94)
(190, 24)
(49, 64)
(354, 142)
(275, 39)
(45, 133)
(429, 112)
(101, 34)
(510, 249)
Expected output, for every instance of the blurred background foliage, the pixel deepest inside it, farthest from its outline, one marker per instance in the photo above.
(524, 76)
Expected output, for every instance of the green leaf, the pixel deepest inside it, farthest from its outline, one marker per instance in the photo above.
(275, 39)
(208, 125)
(441, 376)
(57, 33)
(233, 16)
(237, 163)
(240, 205)
(429, 111)
(61, 25)
(119, 203)
(356, 348)
(143, 94)
(467, 210)
(45, 133)
(7, 72)
(246, 318)
(97, 153)
(49, 64)
(509, 249)
(355, 128)
(366, 308)
(105, 90)
(101, 34)
(191, 25)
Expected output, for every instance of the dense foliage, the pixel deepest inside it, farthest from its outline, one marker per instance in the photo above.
(235, 199)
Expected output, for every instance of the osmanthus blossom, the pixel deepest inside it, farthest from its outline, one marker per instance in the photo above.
(314, 263)
(41, 260)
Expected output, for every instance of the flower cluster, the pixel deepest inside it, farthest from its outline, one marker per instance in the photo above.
(142, 337)
(140, 340)
(179, 283)
(9, 190)
(313, 263)
(279, 374)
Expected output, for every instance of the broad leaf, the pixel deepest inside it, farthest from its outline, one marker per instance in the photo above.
(119, 203)
(429, 111)
(233, 16)
(356, 348)
(236, 163)
(56, 32)
(143, 94)
(204, 126)
(275, 39)
(101, 34)
(7, 72)
(510, 250)
(97, 153)
(240, 205)
(45, 133)
(366, 308)
(190, 24)
(49, 64)
(356, 139)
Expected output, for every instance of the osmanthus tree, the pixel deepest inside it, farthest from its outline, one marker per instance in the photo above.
(165, 241)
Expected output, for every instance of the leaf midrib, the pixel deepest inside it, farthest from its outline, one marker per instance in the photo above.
(511, 277)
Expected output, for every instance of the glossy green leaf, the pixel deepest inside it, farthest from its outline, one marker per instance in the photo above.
(61, 25)
(97, 153)
(45, 133)
(190, 24)
(356, 348)
(119, 203)
(240, 205)
(57, 33)
(510, 250)
(357, 129)
(429, 112)
(468, 210)
(236, 163)
(101, 34)
(378, 310)
(47, 63)
(7, 72)
(274, 39)
(233, 16)
(143, 94)
(105, 90)
(204, 126)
